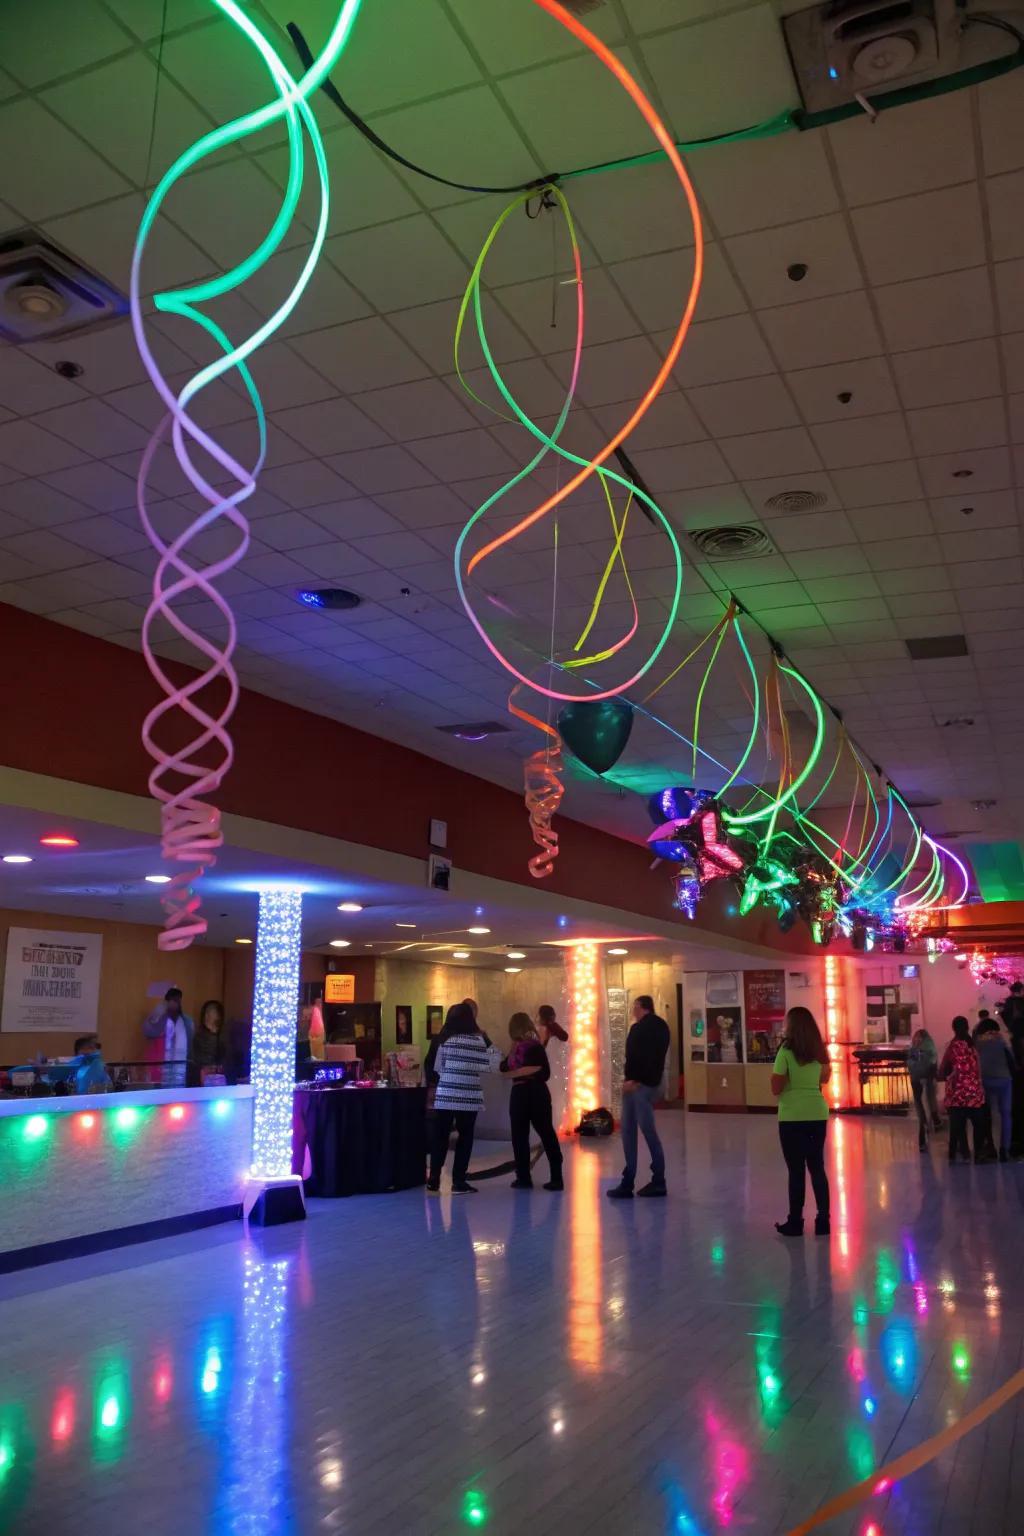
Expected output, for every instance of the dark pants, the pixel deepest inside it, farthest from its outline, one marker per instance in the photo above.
(530, 1105)
(803, 1147)
(926, 1102)
(958, 1118)
(999, 1094)
(464, 1121)
(638, 1115)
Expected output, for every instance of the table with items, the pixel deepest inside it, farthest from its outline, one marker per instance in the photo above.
(349, 1140)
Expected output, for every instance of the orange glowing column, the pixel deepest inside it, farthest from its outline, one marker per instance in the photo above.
(834, 1013)
(584, 967)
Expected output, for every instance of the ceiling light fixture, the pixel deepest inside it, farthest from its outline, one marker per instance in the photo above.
(158, 879)
(517, 954)
(17, 858)
(478, 930)
(512, 970)
(243, 941)
(336, 599)
(618, 951)
(460, 954)
(339, 944)
(405, 925)
(350, 906)
(58, 840)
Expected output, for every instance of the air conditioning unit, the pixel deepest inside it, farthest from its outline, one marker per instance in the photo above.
(851, 48)
(46, 293)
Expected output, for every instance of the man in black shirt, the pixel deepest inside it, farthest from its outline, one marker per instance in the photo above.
(646, 1048)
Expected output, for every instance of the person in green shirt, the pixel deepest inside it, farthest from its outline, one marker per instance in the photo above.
(800, 1072)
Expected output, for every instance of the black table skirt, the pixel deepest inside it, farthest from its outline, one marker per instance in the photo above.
(361, 1141)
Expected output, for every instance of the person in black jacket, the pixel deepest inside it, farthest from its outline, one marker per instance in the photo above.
(530, 1103)
(646, 1048)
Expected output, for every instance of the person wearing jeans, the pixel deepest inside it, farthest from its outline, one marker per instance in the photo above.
(965, 1095)
(530, 1103)
(646, 1048)
(923, 1064)
(997, 1071)
(462, 1059)
(800, 1071)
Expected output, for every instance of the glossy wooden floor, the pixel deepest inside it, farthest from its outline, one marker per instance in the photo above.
(534, 1363)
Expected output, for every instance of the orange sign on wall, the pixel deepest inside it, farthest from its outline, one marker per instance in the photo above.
(340, 989)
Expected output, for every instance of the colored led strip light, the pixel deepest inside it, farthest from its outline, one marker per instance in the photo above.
(185, 778)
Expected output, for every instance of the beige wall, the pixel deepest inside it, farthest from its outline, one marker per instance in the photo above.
(416, 983)
(131, 964)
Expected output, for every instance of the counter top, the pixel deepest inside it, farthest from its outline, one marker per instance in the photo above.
(71, 1103)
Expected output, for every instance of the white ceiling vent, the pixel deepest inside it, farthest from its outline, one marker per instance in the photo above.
(736, 541)
(851, 47)
(45, 293)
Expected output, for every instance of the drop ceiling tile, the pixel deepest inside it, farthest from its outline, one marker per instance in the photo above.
(905, 150)
(822, 245)
(39, 504)
(969, 370)
(683, 467)
(914, 578)
(364, 355)
(36, 51)
(608, 127)
(423, 409)
(869, 485)
(834, 589)
(821, 560)
(429, 507)
(617, 371)
(819, 530)
(1001, 111)
(761, 182)
(800, 618)
(869, 381)
(990, 509)
(897, 520)
(919, 236)
(876, 632)
(30, 450)
(769, 596)
(1006, 219)
(929, 605)
(49, 594)
(336, 561)
(667, 421)
(366, 257)
(118, 578)
(987, 469)
(967, 545)
(327, 300)
(958, 428)
(897, 554)
(461, 456)
(473, 139)
(761, 454)
(27, 386)
(856, 610)
(429, 329)
(864, 440)
(329, 426)
(381, 469)
(275, 570)
(41, 551)
(822, 331)
(289, 531)
(1017, 418)
(507, 40)
(105, 535)
(982, 575)
(956, 306)
(655, 287)
(95, 427)
(720, 350)
(308, 484)
(747, 405)
(285, 381)
(761, 571)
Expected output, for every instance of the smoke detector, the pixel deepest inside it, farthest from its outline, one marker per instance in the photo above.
(45, 293)
(735, 541)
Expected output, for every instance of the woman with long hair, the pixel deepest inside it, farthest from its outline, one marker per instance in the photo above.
(462, 1058)
(800, 1072)
(965, 1095)
(530, 1102)
(208, 1044)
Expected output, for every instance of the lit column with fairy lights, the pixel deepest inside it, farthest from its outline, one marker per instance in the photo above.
(833, 1020)
(583, 963)
(275, 1193)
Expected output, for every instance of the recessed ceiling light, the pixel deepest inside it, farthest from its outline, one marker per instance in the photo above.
(405, 925)
(334, 598)
(478, 930)
(17, 858)
(512, 970)
(243, 941)
(460, 954)
(58, 840)
(517, 954)
(339, 943)
(350, 906)
(158, 879)
(618, 951)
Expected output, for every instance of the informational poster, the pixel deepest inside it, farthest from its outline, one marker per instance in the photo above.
(339, 989)
(764, 1007)
(51, 981)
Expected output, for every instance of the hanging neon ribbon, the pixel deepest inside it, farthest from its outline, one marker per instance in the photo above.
(184, 778)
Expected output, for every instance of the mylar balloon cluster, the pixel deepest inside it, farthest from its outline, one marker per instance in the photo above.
(688, 832)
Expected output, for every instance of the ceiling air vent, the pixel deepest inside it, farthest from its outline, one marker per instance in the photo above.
(581, 7)
(796, 501)
(475, 730)
(737, 541)
(955, 722)
(45, 293)
(936, 647)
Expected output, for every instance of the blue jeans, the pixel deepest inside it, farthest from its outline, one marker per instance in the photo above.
(999, 1095)
(638, 1115)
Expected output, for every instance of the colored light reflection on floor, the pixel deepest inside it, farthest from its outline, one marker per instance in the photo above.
(585, 1319)
(730, 1463)
(255, 1491)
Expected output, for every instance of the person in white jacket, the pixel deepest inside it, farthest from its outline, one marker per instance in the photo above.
(171, 1024)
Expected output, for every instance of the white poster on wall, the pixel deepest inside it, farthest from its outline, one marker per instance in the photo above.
(51, 981)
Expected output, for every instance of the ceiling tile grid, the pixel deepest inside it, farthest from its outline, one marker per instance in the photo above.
(889, 378)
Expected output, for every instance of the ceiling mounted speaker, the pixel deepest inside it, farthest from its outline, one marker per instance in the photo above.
(46, 293)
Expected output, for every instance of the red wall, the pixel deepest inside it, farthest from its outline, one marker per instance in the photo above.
(72, 707)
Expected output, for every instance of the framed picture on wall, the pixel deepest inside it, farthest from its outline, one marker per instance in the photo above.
(435, 1018)
(723, 1034)
(403, 1024)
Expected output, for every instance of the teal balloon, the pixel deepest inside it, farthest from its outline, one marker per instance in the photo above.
(596, 731)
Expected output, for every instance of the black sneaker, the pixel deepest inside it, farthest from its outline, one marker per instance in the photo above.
(463, 1189)
(433, 1189)
(652, 1191)
(822, 1226)
(1004, 1156)
(555, 1185)
(521, 1184)
(620, 1192)
(790, 1228)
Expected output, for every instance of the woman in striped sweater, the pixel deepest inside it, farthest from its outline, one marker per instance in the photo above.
(462, 1059)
